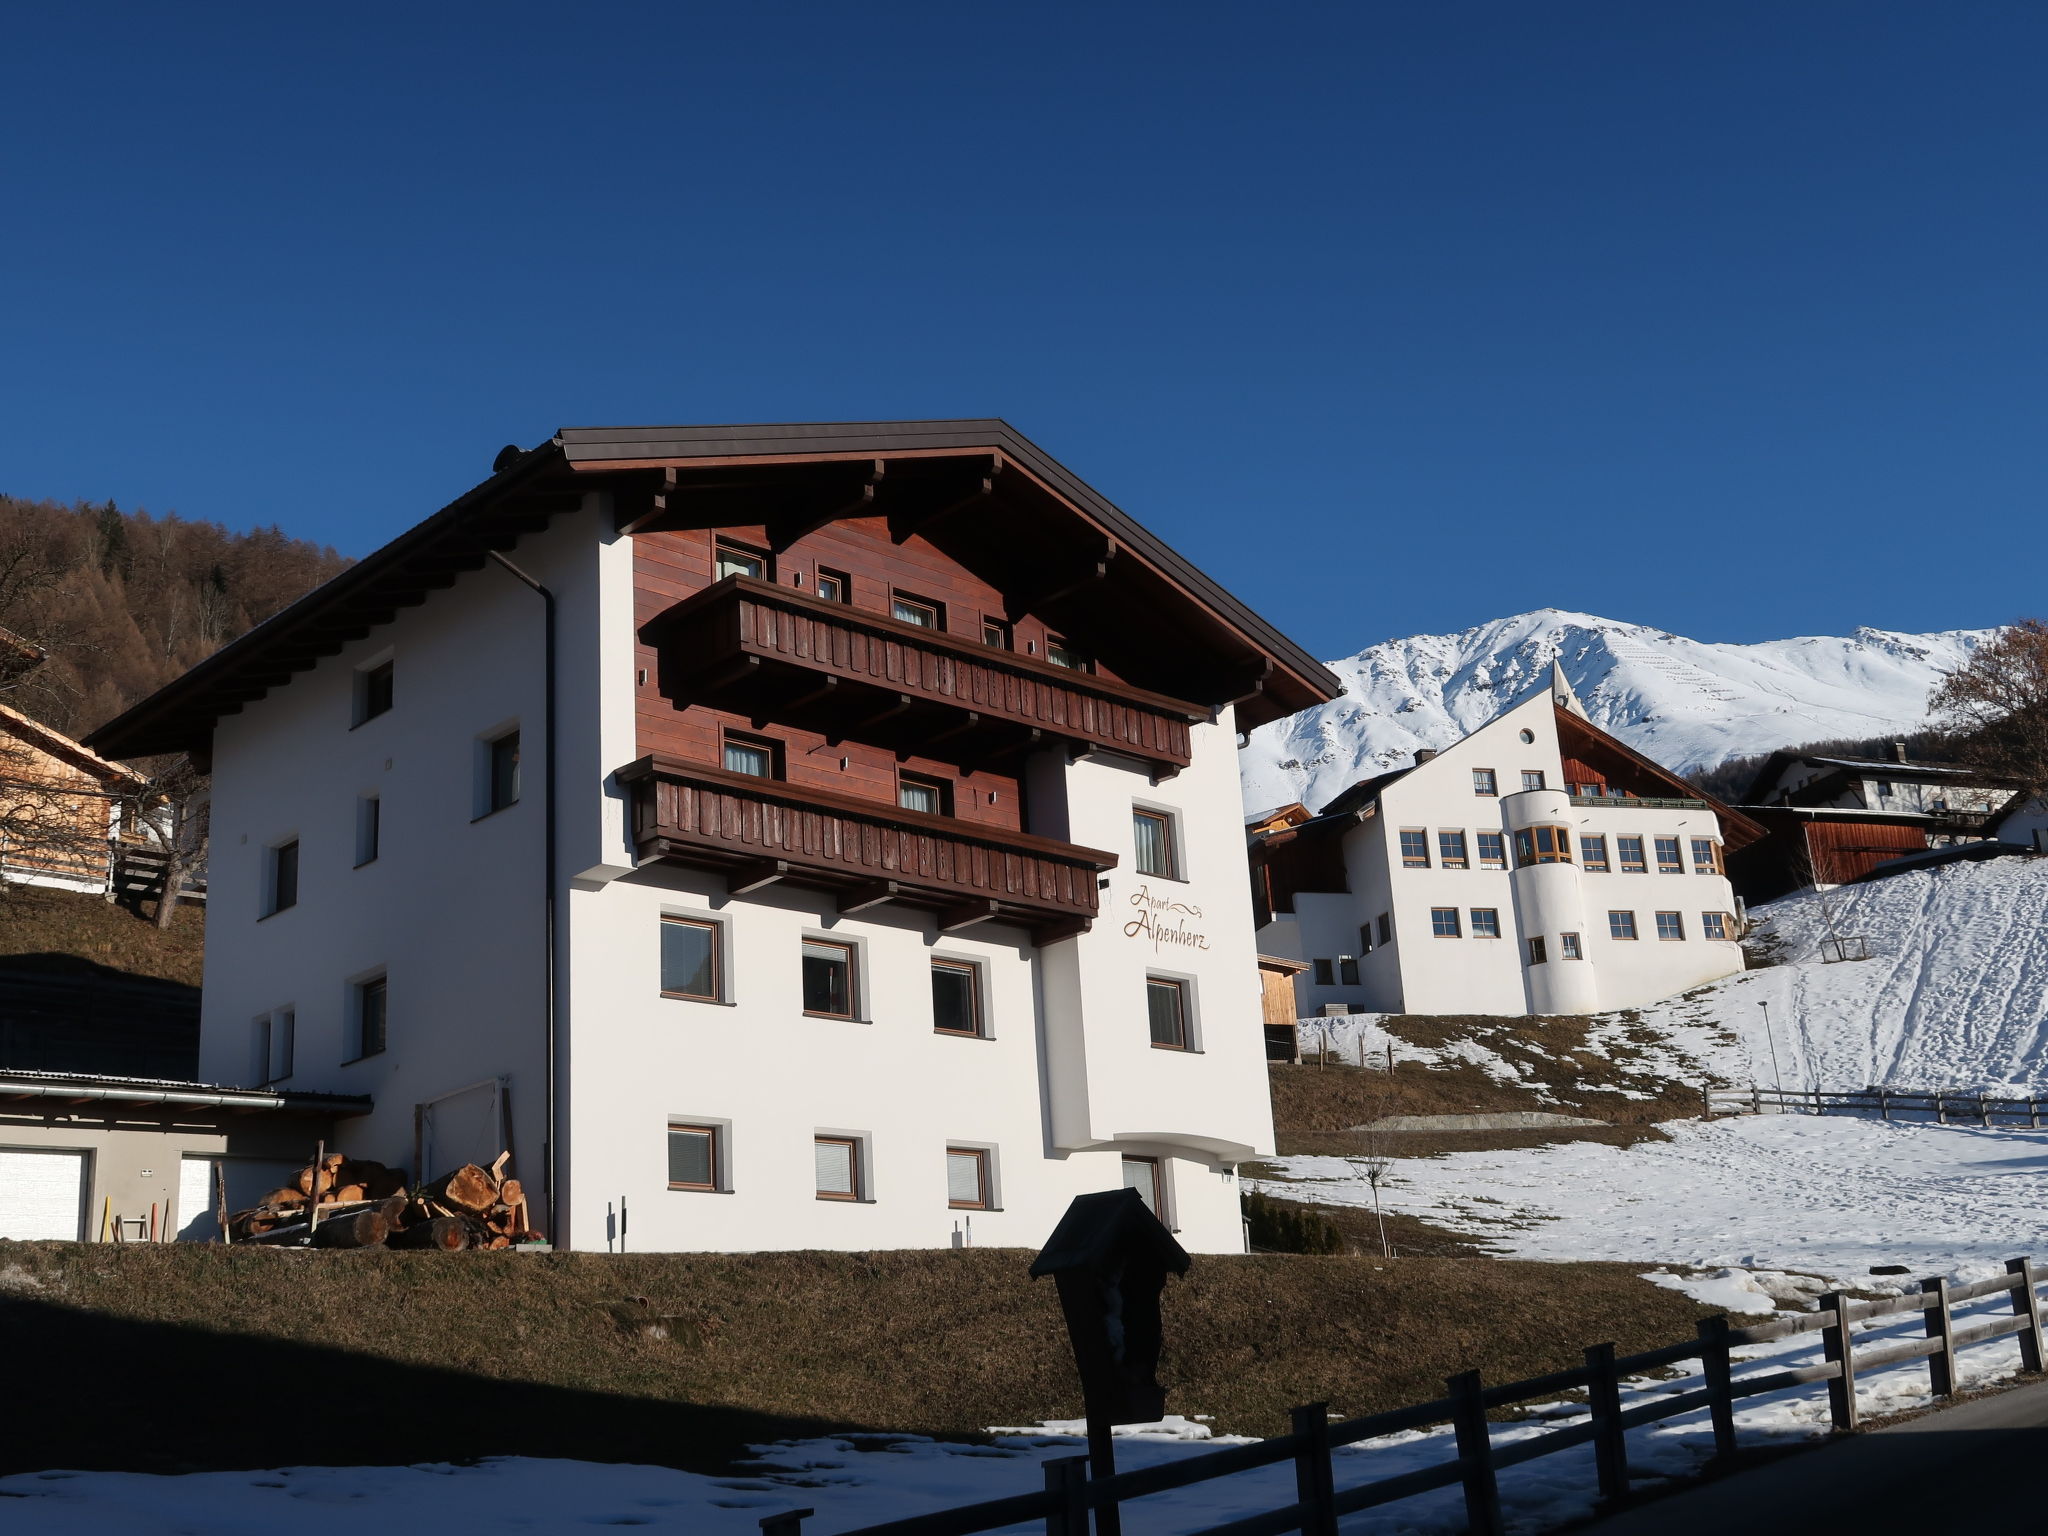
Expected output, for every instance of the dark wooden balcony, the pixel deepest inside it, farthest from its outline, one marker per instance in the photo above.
(786, 655)
(760, 831)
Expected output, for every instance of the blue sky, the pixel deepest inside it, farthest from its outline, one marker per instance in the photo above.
(1398, 317)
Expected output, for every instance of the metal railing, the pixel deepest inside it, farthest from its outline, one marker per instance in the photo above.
(1636, 803)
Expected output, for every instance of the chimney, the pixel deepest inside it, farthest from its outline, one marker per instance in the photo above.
(1423, 755)
(1899, 752)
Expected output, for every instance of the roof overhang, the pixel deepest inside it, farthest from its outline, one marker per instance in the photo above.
(1737, 830)
(140, 1092)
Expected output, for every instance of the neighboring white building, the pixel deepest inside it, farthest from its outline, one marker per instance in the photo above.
(1539, 866)
(2024, 821)
(1898, 786)
(891, 846)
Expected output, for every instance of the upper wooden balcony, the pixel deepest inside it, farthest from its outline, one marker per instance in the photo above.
(783, 654)
(760, 831)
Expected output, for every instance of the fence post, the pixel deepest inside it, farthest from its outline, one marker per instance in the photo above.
(1610, 1440)
(1818, 1107)
(1706, 1103)
(1475, 1455)
(789, 1523)
(1839, 1348)
(1941, 1365)
(1756, 1099)
(1940, 1108)
(1984, 1111)
(1716, 1368)
(1884, 1104)
(2026, 1302)
(1066, 1479)
(1315, 1485)
(2033, 1114)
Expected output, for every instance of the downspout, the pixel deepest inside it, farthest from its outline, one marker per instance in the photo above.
(548, 1171)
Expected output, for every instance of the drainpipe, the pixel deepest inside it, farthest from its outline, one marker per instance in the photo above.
(549, 1181)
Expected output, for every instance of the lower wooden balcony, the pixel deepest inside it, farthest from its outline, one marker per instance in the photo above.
(760, 831)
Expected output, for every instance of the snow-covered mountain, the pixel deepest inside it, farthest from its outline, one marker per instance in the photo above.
(1686, 703)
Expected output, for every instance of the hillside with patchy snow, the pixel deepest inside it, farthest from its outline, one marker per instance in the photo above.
(1686, 703)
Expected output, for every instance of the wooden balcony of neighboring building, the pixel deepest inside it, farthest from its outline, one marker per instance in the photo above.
(760, 831)
(782, 654)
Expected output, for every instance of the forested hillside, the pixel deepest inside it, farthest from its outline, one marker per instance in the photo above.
(119, 603)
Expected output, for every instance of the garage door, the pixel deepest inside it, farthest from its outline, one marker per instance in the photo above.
(249, 1179)
(42, 1194)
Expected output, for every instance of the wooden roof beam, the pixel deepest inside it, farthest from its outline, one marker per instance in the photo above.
(1066, 584)
(785, 531)
(905, 522)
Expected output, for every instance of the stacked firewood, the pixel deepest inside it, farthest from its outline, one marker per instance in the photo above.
(344, 1202)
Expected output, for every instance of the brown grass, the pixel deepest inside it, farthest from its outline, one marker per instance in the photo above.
(194, 1356)
(1442, 1143)
(38, 921)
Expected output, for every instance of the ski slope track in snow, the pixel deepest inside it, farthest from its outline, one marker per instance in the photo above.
(1686, 703)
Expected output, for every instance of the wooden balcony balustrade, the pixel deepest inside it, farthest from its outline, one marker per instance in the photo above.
(791, 656)
(760, 831)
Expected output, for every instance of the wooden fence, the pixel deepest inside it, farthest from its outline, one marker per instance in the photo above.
(1944, 1107)
(1069, 1495)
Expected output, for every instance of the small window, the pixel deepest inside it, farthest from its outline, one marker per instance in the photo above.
(1386, 928)
(1365, 938)
(755, 756)
(690, 959)
(1153, 832)
(1537, 953)
(1532, 778)
(372, 1016)
(834, 586)
(1443, 922)
(927, 796)
(275, 1041)
(1485, 782)
(1543, 845)
(828, 979)
(1166, 1005)
(1347, 970)
(1528, 738)
(1450, 848)
(1414, 848)
(282, 879)
(692, 1156)
(1568, 947)
(1061, 654)
(1714, 925)
(729, 559)
(1668, 860)
(373, 691)
(1485, 922)
(1326, 973)
(997, 634)
(369, 829)
(838, 1167)
(1630, 851)
(1492, 851)
(1593, 853)
(967, 1184)
(1882, 786)
(504, 772)
(1706, 858)
(956, 997)
(1142, 1174)
(1671, 926)
(1621, 925)
(916, 610)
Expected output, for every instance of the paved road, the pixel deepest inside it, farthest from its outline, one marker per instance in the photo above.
(1977, 1466)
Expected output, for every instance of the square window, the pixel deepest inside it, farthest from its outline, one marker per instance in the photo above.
(1532, 778)
(828, 979)
(503, 784)
(1593, 853)
(1621, 925)
(369, 829)
(1568, 946)
(1670, 925)
(1450, 848)
(282, 878)
(837, 1160)
(372, 1016)
(916, 610)
(1706, 858)
(1668, 861)
(1493, 850)
(1061, 654)
(373, 691)
(956, 997)
(1486, 922)
(692, 1156)
(997, 634)
(967, 1183)
(690, 959)
(1414, 848)
(1443, 922)
(1166, 1008)
(1142, 1174)
(755, 756)
(1714, 925)
(730, 559)
(1485, 782)
(1152, 831)
(1386, 927)
(834, 586)
(1630, 852)
(1326, 973)
(1347, 970)
(927, 796)
(1537, 953)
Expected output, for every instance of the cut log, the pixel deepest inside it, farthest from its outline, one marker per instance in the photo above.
(348, 1194)
(291, 1196)
(468, 1188)
(446, 1234)
(365, 1229)
(511, 1192)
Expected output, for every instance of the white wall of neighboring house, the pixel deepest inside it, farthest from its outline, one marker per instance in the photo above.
(2025, 823)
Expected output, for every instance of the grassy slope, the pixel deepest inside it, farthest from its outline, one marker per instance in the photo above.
(37, 921)
(173, 1356)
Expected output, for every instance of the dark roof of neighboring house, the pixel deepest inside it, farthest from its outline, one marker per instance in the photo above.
(1364, 792)
(529, 488)
(1775, 765)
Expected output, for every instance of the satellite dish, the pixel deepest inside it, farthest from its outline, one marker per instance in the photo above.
(506, 455)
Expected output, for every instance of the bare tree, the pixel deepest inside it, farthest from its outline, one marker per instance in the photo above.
(171, 810)
(1996, 706)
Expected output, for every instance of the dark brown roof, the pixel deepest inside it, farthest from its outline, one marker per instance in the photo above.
(530, 488)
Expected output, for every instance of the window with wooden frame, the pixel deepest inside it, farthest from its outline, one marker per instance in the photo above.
(1532, 778)
(1493, 852)
(1621, 925)
(921, 611)
(837, 1161)
(1142, 1174)
(691, 962)
(1671, 926)
(1450, 849)
(1593, 854)
(1543, 845)
(931, 797)
(997, 634)
(1714, 925)
(1061, 654)
(1415, 848)
(967, 1182)
(1166, 1010)
(1668, 860)
(833, 586)
(1444, 923)
(1629, 850)
(693, 1160)
(1326, 972)
(1486, 922)
(1706, 856)
(1347, 970)
(1152, 833)
(758, 757)
(1538, 954)
(829, 979)
(281, 878)
(956, 997)
(729, 557)
(1485, 782)
(1568, 947)
(373, 691)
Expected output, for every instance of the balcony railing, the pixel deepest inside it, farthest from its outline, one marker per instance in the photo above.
(851, 672)
(760, 831)
(1639, 803)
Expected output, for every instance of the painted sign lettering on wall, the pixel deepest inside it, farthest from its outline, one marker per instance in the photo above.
(1164, 921)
